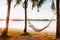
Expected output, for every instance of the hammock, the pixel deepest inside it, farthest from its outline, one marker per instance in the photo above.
(36, 29)
(39, 30)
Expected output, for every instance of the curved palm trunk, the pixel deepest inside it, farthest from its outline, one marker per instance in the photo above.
(25, 29)
(58, 21)
(7, 20)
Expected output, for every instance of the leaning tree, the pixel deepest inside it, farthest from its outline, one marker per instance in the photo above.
(5, 31)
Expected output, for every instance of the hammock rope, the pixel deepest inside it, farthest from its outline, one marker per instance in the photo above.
(39, 30)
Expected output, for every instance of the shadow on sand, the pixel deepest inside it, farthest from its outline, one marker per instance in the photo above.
(28, 36)
(4, 38)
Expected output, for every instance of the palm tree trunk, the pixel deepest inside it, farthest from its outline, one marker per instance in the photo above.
(58, 21)
(7, 20)
(25, 29)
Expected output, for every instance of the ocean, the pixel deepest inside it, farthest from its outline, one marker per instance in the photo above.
(19, 25)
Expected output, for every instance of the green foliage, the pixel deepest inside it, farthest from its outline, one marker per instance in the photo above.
(53, 5)
(34, 3)
(37, 3)
(40, 3)
(24, 4)
(18, 2)
(8, 1)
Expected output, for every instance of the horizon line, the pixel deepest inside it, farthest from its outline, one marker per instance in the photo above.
(29, 19)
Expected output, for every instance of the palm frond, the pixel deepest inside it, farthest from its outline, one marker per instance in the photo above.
(17, 2)
(9, 1)
(53, 5)
(40, 3)
(34, 3)
(24, 4)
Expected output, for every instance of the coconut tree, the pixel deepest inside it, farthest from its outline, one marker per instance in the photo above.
(7, 19)
(39, 30)
(58, 19)
(25, 7)
(37, 3)
(25, 29)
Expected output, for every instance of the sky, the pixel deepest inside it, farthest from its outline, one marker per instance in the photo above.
(18, 11)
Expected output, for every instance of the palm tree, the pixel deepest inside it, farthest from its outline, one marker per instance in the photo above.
(25, 7)
(37, 3)
(25, 29)
(58, 19)
(39, 30)
(7, 19)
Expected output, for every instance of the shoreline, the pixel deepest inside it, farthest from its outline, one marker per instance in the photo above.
(32, 31)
